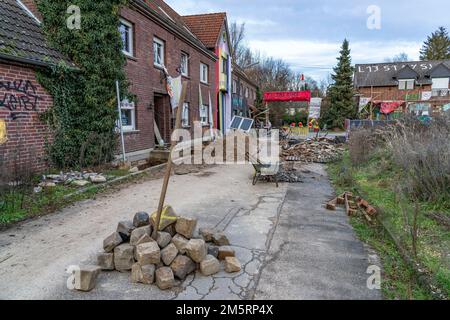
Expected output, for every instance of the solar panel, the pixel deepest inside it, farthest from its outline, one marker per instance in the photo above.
(240, 123)
(236, 122)
(246, 124)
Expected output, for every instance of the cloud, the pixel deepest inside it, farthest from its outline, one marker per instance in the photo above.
(317, 58)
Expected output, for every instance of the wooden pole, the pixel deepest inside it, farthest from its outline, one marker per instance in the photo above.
(169, 162)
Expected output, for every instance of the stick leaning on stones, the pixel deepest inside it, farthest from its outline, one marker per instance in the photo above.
(173, 144)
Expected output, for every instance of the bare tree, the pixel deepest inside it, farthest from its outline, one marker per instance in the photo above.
(237, 35)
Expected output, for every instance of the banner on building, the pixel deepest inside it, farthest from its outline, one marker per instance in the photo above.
(426, 95)
(363, 102)
(174, 86)
(314, 108)
(288, 96)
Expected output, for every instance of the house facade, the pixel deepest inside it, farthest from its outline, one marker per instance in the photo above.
(23, 51)
(243, 94)
(155, 38)
(212, 30)
(389, 89)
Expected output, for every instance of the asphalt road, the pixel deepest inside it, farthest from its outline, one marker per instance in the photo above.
(289, 245)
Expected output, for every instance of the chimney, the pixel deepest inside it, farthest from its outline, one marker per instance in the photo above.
(32, 7)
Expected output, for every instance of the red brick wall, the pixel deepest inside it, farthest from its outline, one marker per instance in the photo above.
(146, 80)
(31, 5)
(392, 92)
(22, 97)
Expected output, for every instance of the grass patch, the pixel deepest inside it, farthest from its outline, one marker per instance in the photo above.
(376, 180)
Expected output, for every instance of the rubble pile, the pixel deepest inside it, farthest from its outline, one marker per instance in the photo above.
(322, 150)
(74, 178)
(164, 260)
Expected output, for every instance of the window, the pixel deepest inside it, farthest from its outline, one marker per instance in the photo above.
(224, 65)
(185, 115)
(126, 33)
(158, 52)
(246, 92)
(234, 86)
(204, 73)
(128, 115)
(407, 84)
(204, 111)
(440, 83)
(241, 90)
(184, 64)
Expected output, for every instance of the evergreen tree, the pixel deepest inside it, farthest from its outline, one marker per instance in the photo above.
(437, 46)
(342, 105)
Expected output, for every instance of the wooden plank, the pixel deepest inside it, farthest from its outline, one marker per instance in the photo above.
(158, 134)
(162, 197)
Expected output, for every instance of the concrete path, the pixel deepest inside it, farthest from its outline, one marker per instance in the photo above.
(286, 252)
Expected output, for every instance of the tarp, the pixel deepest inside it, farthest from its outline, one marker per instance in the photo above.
(389, 107)
(289, 96)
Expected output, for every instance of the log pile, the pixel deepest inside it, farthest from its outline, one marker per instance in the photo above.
(320, 150)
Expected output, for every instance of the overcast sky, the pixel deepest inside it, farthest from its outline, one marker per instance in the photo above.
(308, 34)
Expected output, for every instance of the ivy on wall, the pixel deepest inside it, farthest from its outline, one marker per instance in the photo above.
(84, 111)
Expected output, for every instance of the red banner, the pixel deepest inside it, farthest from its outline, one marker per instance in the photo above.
(289, 96)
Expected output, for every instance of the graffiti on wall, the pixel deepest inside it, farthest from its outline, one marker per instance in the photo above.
(18, 95)
(3, 135)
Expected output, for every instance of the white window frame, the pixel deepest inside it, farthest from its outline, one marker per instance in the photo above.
(185, 122)
(157, 41)
(127, 105)
(130, 37)
(440, 83)
(234, 86)
(405, 84)
(204, 115)
(203, 67)
(184, 72)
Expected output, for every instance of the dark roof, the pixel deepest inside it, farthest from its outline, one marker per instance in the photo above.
(22, 39)
(207, 27)
(386, 74)
(171, 19)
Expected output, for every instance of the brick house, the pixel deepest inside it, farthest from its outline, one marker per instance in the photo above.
(23, 51)
(243, 93)
(389, 89)
(212, 30)
(155, 36)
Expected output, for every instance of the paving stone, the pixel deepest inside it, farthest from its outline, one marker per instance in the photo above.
(163, 239)
(144, 239)
(220, 239)
(138, 233)
(143, 274)
(168, 218)
(124, 257)
(106, 261)
(209, 266)
(182, 266)
(97, 179)
(180, 242)
(196, 249)
(186, 226)
(124, 228)
(213, 250)
(232, 265)
(80, 183)
(85, 278)
(112, 241)
(168, 254)
(171, 230)
(141, 219)
(148, 253)
(207, 234)
(164, 278)
(225, 251)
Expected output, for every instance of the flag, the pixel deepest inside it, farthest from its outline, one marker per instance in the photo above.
(174, 86)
